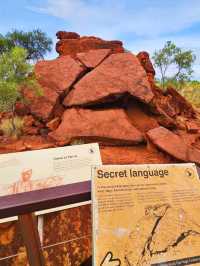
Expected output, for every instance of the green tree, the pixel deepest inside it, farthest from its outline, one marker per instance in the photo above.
(35, 42)
(172, 56)
(5, 44)
(14, 71)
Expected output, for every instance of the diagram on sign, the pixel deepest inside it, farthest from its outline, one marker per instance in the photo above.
(163, 230)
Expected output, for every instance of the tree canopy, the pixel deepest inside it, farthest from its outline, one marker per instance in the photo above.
(180, 60)
(36, 42)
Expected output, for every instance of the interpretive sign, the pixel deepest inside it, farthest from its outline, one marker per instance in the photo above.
(146, 215)
(34, 170)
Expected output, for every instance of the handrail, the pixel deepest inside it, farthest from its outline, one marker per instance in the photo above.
(37, 200)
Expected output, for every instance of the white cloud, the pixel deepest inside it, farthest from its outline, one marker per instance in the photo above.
(146, 22)
(115, 17)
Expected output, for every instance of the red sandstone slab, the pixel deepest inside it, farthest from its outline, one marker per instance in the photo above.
(37, 142)
(146, 62)
(58, 74)
(118, 74)
(84, 44)
(94, 57)
(194, 155)
(139, 154)
(109, 124)
(41, 106)
(56, 77)
(173, 144)
(26, 143)
(140, 119)
(67, 35)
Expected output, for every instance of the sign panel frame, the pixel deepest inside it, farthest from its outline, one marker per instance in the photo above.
(130, 200)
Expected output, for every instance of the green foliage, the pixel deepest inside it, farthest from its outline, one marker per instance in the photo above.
(36, 43)
(13, 72)
(164, 58)
(8, 96)
(13, 65)
(191, 91)
(171, 55)
(5, 44)
(12, 127)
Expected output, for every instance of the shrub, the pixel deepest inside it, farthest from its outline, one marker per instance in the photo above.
(12, 127)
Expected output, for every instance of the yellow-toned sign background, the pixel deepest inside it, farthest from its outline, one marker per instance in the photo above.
(143, 221)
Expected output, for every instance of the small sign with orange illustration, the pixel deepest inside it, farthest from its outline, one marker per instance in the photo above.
(35, 170)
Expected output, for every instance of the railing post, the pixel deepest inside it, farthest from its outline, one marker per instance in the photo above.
(28, 226)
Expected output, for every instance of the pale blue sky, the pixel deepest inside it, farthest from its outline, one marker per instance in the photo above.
(140, 24)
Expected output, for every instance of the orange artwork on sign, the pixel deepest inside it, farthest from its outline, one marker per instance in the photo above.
(25, 183)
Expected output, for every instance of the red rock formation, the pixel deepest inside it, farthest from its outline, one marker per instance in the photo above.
(133, 155)
(58, 74)
(117, 75)
(26, 143)
(94, 57)
(180, 103)
(54, 123)
(68, 45)
(147, 65)
(173, 144)
(55, 77)
(41, 106)
(125, 112)
(140, 118)
(96, 77)
(110, 125)
(67, 35)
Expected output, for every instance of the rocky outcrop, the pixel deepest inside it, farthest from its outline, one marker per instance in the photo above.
(140, 117)
(173, 144)
(139, 154)
(72, 44)
(55, 78)
(97, 92)
(41, 105)
(58, 74)
(67, 35)
(118, 74)
(93, 58)
(147, 65)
